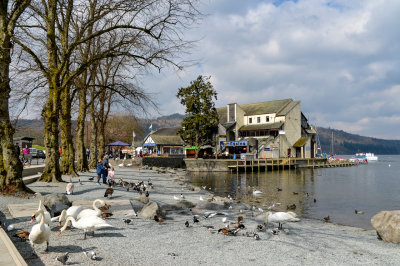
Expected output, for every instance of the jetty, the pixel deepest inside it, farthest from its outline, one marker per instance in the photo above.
(270, 164)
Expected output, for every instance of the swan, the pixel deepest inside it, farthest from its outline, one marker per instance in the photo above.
(40, 232)
(281, 218)
(70, 188)
(46, 214)
(87, 224)
(72, 211)
(90, 212)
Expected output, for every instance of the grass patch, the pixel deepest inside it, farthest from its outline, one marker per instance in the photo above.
(38, 147)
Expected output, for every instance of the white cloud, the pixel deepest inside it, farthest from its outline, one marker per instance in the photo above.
(340, 58)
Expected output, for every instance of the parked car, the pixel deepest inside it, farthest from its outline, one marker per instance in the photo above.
(41, 154)
(35, 153)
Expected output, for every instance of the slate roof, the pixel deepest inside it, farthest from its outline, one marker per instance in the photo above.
(262, 126)
(167, 136)
(280, 107)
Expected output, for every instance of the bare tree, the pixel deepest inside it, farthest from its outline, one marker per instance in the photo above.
(147, 31)
(10, 165)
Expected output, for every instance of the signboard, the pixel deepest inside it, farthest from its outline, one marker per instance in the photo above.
(149, 144)
(234, 143)
(267, 149)
(190, 148)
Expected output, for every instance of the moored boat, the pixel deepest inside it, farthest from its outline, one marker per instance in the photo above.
(366, 156)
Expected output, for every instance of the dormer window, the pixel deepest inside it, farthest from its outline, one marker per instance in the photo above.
(250, 120)
(258, 120)
(267, 118)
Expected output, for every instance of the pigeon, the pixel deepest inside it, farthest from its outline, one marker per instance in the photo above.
(195, 220)
(224, 220)
(256, 237)
(91, 178)
(209, 214)
(91, 255)
(127, 221)
(80, 183)
(275, 231)
(187, 223)
(176, 198)
(63, 258)
(201, 198)
(315, 200)
(182, 197)
(358, 212)
(147, 194)
(10, 227)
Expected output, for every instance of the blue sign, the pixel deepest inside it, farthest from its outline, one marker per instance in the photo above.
(149, 144)
(234, 143)
(267, 149)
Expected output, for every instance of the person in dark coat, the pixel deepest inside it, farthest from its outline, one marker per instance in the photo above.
(18, 150)
(106, 166)
(99, 171)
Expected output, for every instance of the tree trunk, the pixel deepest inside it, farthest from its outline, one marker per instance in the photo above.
(93, 135)
(101, 124)
(81, 156)
(50, 114)
(68, 152)
(10, 165)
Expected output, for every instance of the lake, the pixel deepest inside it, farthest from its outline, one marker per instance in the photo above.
(338, 191)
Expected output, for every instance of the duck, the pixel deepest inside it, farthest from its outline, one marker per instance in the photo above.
(327, 218)
(47, 216)
(23, 235)
(257, 192)
(109, 191)
(281, 218)
(91, 212)
(105, 207)
(106, 214)
(87, 224)
(358, 212)
(40, 232)
(70, 188)
(72, 211)
(291, 207)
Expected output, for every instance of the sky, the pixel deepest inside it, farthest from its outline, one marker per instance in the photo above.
(340, 58)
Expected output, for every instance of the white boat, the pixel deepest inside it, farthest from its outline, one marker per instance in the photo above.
(368, 156)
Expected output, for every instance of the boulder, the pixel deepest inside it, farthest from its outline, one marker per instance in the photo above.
(387, 225)
(150, 210)
(142, 199)
(55, 201)
(185, 204)
(211, 205)
(57, 208)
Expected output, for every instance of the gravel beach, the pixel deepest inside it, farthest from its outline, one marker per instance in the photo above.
(145, 242)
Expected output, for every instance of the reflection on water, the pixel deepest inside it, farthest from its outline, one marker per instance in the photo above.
(337, 191)
(286, 187)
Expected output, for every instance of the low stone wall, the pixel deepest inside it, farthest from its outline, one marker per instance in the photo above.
(164, 162)
(208, 165)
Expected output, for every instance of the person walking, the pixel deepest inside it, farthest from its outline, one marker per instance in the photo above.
(99, 171)
(26, 152)
(111, 175)
(106, 166)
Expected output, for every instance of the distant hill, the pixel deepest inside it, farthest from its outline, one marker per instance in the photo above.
(343, 142)
(346, 143)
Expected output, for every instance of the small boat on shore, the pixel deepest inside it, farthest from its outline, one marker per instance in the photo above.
(366, 156)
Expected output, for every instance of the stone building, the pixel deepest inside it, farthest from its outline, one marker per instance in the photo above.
(269, 129)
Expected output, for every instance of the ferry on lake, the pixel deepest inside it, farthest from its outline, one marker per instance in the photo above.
(366, 156)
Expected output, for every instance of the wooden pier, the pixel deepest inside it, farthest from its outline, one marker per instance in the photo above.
(276, 164)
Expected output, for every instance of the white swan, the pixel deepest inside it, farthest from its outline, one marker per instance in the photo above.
(87, 224)
(281, 218)
(40, 233)
(90, 212)
(70, 188)
(72, 211)
(46, 214)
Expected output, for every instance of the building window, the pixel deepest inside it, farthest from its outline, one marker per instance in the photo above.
(258, 119)
(267, 118)
(250, 120)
